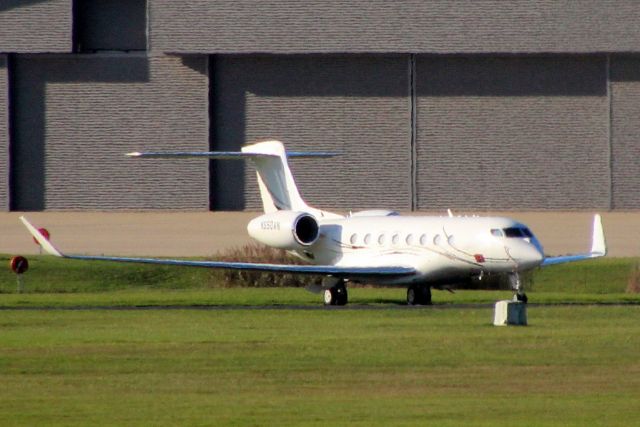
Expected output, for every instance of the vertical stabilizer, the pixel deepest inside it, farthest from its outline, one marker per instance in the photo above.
(277, 186)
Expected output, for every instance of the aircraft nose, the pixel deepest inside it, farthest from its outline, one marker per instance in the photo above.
(527, 255)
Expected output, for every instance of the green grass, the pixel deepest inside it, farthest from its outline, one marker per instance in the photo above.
(56, 275)
(598, 276)
(50, 274)
(52, 281)
(573, 366)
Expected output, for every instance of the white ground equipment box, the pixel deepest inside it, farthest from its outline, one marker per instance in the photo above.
(508, 312)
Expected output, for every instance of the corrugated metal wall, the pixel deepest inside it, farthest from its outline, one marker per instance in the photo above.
(512, 133)
(35, 26)
(625, 132)
(4, 133)
(379, 26)
(77, 115)
(479, 104)
(356, 105)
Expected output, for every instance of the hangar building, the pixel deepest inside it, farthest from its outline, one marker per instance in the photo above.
(477, 104)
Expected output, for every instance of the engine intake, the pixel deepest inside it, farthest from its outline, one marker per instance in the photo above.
(285, 229)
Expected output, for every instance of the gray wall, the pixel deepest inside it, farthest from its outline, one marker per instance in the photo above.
(4, 134)
(625, 132)
(473, 104)
(77, 115)
(356, 105)
(435, 26)
(35, 25)
(512, 132)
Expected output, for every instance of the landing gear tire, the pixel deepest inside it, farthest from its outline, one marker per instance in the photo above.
(412, 296)
(419, 295)
(336, 295)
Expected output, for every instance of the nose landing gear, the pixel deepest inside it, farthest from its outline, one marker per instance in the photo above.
(516, 286)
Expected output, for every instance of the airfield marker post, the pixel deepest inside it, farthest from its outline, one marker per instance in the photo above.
(19, 265)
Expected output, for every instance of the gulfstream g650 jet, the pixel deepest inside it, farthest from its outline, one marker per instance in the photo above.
(374, 247)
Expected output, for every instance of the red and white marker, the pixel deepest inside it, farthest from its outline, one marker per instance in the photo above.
(19, 264)
(45, 233)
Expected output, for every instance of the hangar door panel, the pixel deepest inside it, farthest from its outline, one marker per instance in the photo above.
(355, 105)
(76, 117)
(111, 25)
(512, 133)
(4, 134)
(625, 122)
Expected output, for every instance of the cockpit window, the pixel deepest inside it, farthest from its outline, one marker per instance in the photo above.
(518, 232)
(513, 232)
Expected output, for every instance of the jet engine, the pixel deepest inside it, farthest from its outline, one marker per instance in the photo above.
(285, 229)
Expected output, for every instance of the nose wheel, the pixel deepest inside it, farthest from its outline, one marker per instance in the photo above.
(518, 289)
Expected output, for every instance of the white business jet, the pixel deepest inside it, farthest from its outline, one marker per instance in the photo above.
(374, 247)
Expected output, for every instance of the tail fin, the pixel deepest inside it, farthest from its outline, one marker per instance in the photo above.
(277, 186)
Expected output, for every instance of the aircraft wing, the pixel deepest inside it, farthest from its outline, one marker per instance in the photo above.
(390, 271)
(598, 247)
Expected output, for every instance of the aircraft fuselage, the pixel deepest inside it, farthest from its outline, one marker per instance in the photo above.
(439, 248)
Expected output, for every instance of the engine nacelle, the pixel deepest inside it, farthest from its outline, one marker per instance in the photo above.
(285, 229)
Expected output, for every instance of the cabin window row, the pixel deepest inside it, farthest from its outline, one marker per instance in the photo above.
(396, 239)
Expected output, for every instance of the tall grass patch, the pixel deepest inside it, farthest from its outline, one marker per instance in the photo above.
(256, 253)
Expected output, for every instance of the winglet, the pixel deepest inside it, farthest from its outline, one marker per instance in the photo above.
(598, 247)
(44, 243)
(599, 244)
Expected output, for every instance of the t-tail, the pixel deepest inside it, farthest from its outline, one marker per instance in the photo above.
(277, 186)
(278, 189)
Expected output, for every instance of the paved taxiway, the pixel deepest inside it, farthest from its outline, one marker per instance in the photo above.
(184, 234)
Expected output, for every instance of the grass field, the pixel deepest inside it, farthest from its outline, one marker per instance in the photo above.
(295, 363)
(54, 275)
(572, 366)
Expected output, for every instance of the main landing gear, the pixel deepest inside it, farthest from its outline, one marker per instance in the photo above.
(419, 295)
(516, 286)
(334, 291)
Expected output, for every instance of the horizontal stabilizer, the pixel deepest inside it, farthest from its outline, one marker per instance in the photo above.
(229, 155)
